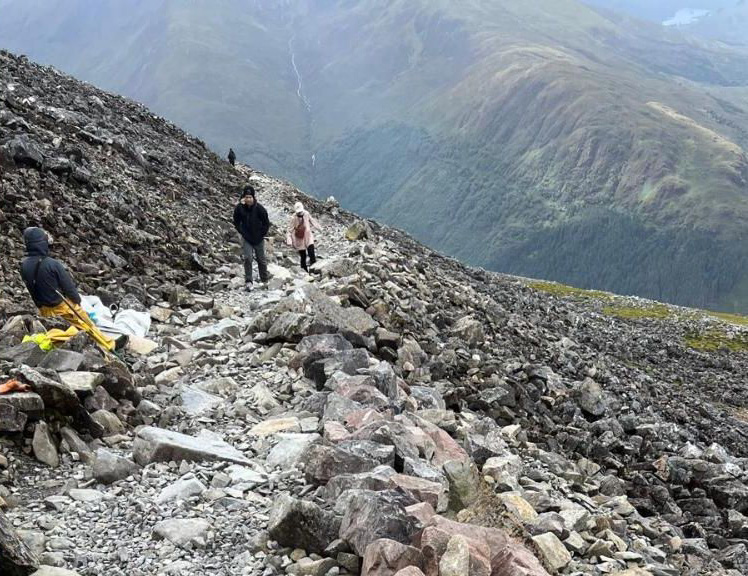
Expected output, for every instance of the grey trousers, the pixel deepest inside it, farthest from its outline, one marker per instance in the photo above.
(255, 252)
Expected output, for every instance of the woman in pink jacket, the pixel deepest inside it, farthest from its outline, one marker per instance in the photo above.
(300, 234)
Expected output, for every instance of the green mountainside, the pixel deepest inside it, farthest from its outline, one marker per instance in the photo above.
(541, 138)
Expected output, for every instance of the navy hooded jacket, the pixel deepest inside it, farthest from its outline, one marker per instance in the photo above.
(44, 276)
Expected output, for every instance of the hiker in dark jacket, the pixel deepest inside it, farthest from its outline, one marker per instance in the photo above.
(232, 156)
(44, 276)
(252, 222)
(52, 288)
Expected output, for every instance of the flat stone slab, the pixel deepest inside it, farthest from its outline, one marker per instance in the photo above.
(182, 532)
(141, 346)
(62, 360)
(196, 402)
(81, 495)
(158, 445)
(27, 353)
(30, 403)
(181, 490)
(82, 382)
(275, 425)
(225, 326)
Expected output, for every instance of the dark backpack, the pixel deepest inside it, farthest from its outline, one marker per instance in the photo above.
(300, 229)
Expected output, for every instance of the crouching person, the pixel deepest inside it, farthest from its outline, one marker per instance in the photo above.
(53, 289)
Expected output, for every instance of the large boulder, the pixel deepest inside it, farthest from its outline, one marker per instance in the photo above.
(325, 316)
(302, 524)
(321, 463)
(590, 397)
(17, 407)
(44, 446)
(318, 346)
(378, 479)
(469, 330)
(386, 557)
(373, 515)
(347, 361)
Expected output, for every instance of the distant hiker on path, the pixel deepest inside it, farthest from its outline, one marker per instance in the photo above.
(300, 234)
(52, 288)
(252, 222)
(232, 157)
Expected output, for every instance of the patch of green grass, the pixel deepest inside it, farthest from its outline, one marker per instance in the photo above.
(557, 289)
(649, 311)
(731, 318)
(714, 339)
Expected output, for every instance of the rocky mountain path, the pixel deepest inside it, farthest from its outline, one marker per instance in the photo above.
(226, 387)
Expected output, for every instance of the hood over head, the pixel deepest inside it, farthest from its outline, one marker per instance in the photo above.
(37, 241)
(248, 190)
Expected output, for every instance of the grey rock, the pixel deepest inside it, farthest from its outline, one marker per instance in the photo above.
(290, 449)
(182, 489)
(182, 532)
(62, 360)
(302, 524)
(321, 463)
(76, 444)
(159, 445)
(196, 402)
(464, 484)
(591, 397)
(374, 515)
(109, 422)
(82, 382)
(109, 468)
(44, 446)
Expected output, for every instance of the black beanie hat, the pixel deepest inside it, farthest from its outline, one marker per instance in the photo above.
(248, 190)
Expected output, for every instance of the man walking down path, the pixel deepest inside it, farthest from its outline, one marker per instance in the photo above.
(52, 288)
(252, 222)
(232, 157)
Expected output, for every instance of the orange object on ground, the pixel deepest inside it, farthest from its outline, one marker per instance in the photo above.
(77, 316)
(13, 386)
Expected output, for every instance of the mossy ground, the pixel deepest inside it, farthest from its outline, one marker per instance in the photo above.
(557, 289)
(731, 318)
(715, 339)
(648, 311)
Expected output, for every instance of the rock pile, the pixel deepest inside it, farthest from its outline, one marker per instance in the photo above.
(393, 413)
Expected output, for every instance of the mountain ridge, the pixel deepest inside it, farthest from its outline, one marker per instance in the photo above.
(531, 124)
